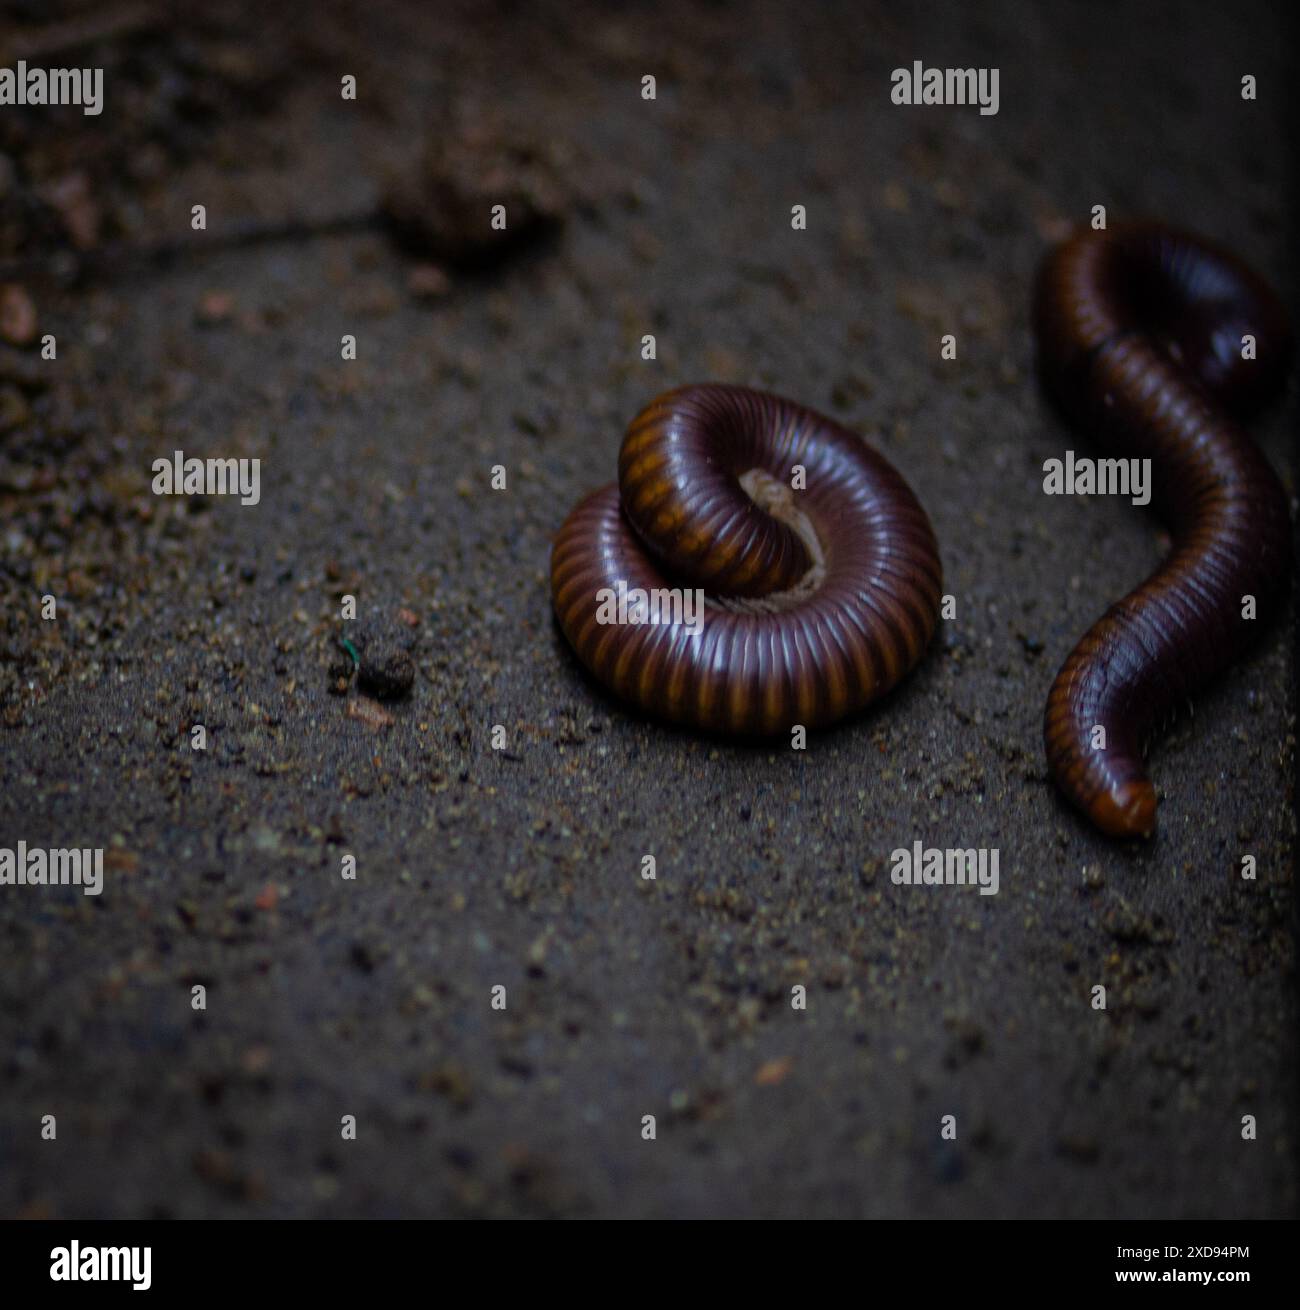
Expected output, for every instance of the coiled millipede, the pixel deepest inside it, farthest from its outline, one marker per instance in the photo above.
(1142, 334)
(817, 600)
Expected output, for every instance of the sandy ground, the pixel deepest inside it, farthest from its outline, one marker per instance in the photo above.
(475, 868)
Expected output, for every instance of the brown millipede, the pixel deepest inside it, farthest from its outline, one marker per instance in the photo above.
(1141, 332)
(817, 599)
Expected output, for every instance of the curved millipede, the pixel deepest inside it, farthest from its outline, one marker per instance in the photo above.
(1140, 331)
(817, 601)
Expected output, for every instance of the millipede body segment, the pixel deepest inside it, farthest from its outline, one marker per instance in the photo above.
(1142, 334)
(816, 566)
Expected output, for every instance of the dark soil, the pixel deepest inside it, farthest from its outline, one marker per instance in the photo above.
(521, 866)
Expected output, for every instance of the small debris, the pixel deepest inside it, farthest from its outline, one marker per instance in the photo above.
(1031, 645)
(215, 308)
(773, 1072)
(473, 164)
(427, 282)
(17, 315)
(387, 673)
(369, 712)
(72, 198)
(363, 956)
(256, 1060)
(339, 677)
(14, 409)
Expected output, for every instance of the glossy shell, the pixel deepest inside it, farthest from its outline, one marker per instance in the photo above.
(1140, 334)
(786, 638)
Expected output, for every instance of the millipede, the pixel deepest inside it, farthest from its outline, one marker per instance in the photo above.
(819, 570)
(1145, 341)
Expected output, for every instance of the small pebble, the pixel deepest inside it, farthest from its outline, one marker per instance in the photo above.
(386, 672)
